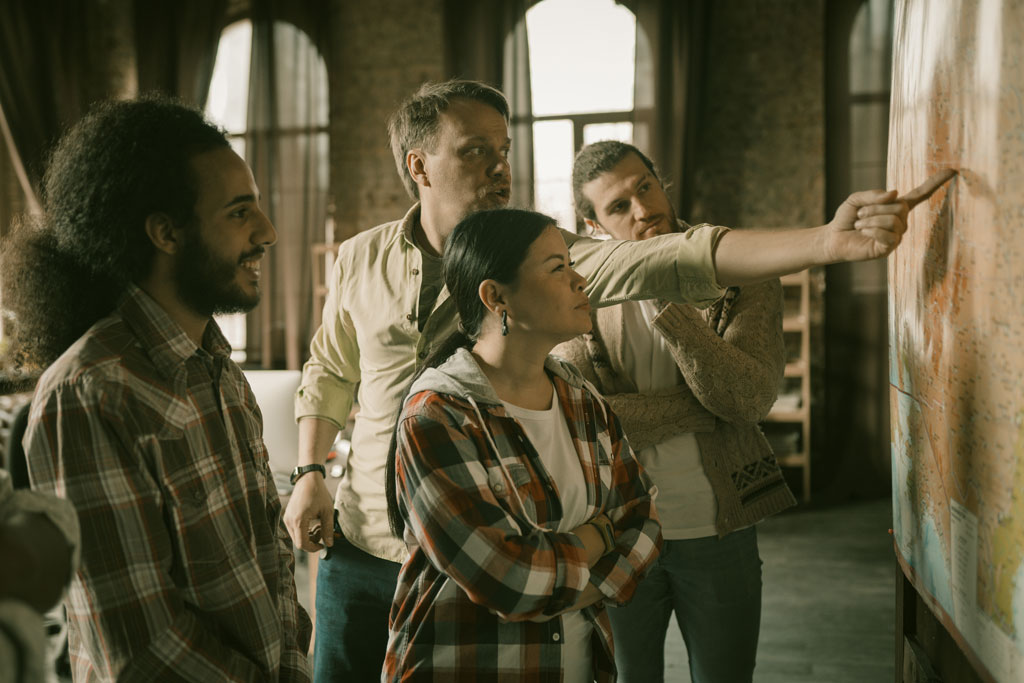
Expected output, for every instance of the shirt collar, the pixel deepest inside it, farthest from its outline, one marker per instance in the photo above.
(409, 222)
(164, 340)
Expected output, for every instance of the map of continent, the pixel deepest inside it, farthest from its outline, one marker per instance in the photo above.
(956, 321)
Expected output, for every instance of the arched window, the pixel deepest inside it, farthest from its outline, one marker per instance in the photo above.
(870, 79)
(269, 91)
(582, 55)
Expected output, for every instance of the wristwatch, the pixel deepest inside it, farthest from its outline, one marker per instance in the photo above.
(606, 530)
(299, 471)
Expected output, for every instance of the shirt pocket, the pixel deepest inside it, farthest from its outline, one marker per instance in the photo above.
(203, 518)
(520, 503)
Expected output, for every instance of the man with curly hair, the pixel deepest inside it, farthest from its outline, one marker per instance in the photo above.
(151, 225)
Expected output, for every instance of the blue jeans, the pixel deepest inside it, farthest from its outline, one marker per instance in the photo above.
(354, 591)
(714, 586)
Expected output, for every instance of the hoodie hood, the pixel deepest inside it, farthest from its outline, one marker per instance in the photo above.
(461, 375)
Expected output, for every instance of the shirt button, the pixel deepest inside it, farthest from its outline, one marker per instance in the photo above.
(556, 637)
(408, 317)
(499, 487)
(423, 354)
(415, 271)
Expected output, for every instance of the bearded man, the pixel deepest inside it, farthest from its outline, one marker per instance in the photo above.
(151, 225)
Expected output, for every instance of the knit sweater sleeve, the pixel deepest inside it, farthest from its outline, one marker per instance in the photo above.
(650, 418)
(735, 376)
(647, 418)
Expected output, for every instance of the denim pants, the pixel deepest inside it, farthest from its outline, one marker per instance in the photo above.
(354, 591)
(714, 586)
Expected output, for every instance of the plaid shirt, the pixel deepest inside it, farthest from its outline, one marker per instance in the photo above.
(486, 569)
(187, 570)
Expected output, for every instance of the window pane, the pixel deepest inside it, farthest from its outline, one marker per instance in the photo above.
(227, 102)
(581, 56)
(552, 168)
(595, 132)
(301, 79)
(871, 48)
(233, 327)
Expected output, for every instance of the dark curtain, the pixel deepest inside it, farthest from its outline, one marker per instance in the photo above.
(176, 45)
(45, 67)
(486, 41)
(287, 98)
(671, 63)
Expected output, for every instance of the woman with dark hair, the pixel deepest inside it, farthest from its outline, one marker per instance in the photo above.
(522, 505)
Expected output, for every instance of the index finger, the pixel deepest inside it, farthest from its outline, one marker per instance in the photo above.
(928, 187)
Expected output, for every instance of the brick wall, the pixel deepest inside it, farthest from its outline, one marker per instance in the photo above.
(379, 57)
(761, 156)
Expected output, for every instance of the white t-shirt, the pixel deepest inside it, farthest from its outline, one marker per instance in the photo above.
(686, 502)
(549, 434)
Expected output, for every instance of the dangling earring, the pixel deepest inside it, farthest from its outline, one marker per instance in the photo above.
(504, 323)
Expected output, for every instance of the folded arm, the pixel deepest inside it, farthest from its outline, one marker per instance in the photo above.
(735, 376)
(519, 572)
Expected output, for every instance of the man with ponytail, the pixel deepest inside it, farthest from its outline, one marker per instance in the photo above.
(151, 224)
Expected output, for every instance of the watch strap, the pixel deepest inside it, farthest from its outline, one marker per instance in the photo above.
(606, 530)
(304, 469)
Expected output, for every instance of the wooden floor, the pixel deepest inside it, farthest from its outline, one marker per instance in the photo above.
(828, 607)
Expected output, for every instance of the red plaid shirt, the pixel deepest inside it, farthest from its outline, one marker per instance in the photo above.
(486, 568)
(187, 570)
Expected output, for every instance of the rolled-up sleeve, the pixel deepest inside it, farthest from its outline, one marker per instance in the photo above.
(331, 375)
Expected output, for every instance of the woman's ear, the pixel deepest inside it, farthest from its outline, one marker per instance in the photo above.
(162, 232)
(492, 294)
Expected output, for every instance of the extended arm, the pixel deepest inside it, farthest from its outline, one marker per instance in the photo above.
(735, 376)
(867, 225)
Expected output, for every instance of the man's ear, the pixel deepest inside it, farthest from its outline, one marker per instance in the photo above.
(162, 232)
(594, 227)
(416, 163)
(492, 294)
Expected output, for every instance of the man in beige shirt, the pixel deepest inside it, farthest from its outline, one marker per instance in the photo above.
(386, 309)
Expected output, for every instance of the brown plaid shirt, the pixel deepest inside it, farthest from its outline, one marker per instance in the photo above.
(187, 570)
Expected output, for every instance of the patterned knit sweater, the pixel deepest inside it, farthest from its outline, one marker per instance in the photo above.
(731, 358)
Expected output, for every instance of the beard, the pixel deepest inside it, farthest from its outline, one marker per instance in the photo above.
(208, 283)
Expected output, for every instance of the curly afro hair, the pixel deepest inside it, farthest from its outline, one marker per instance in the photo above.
(123, 162)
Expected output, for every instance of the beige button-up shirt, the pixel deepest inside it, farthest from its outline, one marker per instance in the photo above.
(369, 344)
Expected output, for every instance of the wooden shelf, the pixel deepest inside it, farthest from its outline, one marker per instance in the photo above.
(797, 322)
(794, 280)
(795, 368)
(794, 323)
(798, 415)
(794, 459)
